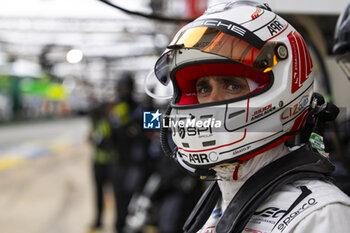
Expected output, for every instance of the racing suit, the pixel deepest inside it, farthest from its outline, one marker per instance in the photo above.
(307, 206)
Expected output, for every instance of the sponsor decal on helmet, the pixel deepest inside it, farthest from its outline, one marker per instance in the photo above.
(181, 131)
(198, 158)
(262, 111)
(241, 150)
(201, 158)
(221, 24)
(230, 28)
(275, 27)
(297, 108)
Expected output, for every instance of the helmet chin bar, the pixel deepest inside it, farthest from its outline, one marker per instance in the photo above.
(320, 113)
(197, 171)
(173, 153)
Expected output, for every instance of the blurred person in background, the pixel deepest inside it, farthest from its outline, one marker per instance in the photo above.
(131, 144)
(176, 194)
(341, 49)
(341, 45)
(104, 159)
(249, 72)
(169, 194)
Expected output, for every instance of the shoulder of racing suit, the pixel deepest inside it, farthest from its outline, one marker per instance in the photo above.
(284, 209)
(254, 201)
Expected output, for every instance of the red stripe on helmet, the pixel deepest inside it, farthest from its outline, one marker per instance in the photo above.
(256, 13)
(302, 63)
(295, 62)
(302, 58)
(308, 59)
(269, 147)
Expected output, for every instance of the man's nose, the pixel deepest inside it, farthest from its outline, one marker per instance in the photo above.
(216, 95)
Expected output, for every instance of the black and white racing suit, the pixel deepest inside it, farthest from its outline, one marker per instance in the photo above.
(305, 206)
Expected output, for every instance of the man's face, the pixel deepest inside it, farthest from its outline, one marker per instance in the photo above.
(216, 88)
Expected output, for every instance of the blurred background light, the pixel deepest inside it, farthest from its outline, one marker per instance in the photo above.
(74, 56)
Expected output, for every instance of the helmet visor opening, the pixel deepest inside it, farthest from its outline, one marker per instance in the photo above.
(186, 78)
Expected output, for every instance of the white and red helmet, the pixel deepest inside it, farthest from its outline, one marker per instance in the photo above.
(240, 38)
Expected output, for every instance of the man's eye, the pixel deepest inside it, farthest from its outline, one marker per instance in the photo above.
(203, 90)
(233, 87)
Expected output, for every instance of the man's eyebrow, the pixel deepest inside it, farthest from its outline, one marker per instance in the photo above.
(228, 79)
(202, 82)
